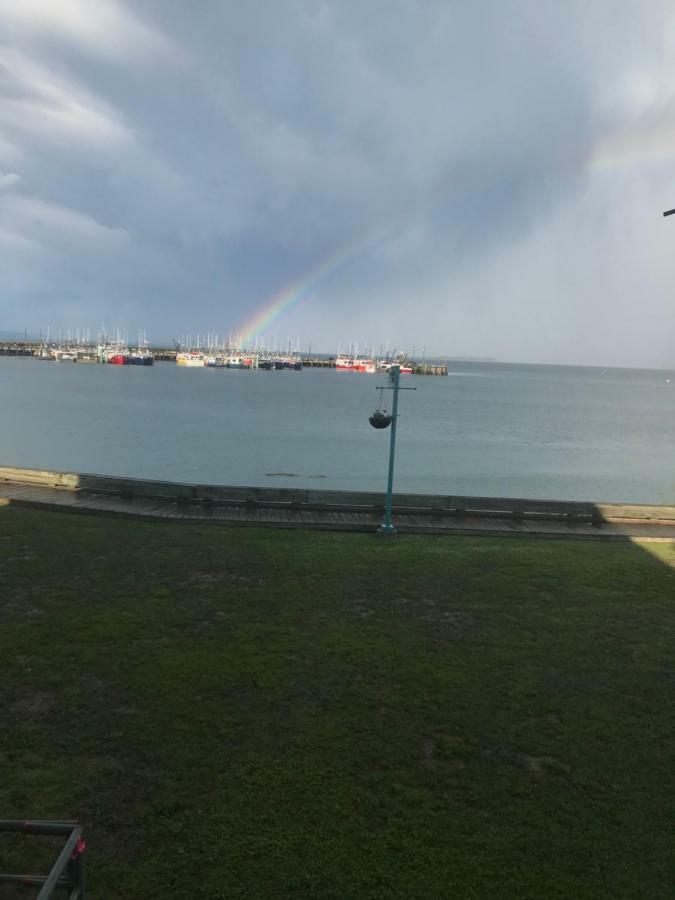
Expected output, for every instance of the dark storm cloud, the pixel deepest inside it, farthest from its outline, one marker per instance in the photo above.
(171, 166)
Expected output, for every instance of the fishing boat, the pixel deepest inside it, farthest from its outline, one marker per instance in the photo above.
(65, 356)
(384, 365)
(141, 357)
(116, 353)
(361, 364)
(190, 358)
(239, 362)
(355, 364)
(86, 356)
(217, 361)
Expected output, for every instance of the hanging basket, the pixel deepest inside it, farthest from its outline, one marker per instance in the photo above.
(380, 419)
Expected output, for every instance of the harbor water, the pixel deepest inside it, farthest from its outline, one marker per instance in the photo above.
(487, 429)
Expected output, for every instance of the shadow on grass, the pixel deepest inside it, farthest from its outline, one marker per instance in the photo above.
(251, 713)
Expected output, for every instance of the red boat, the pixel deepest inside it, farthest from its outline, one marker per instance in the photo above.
(118, 359)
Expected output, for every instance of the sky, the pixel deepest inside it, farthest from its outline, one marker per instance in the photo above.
(473, 180)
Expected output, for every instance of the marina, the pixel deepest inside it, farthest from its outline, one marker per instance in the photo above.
(117, 352)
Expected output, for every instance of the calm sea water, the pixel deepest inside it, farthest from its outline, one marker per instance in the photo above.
(500, 430)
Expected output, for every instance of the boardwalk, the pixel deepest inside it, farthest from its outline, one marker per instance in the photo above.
(209, 513)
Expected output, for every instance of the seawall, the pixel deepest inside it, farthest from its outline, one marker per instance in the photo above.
(428, 505)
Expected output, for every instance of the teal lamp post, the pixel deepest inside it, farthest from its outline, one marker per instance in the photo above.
(381, 419)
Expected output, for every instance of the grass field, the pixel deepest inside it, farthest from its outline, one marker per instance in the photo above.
(261, 714)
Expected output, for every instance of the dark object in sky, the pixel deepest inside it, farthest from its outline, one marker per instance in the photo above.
(669, 212)
(380, 419)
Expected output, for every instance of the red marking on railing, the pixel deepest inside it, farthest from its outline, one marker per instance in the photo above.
(79, 849)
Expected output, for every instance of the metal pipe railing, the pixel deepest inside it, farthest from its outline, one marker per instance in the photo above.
(67, 873)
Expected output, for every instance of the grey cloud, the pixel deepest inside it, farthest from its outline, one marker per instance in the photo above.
(10, 181)
(188, 161)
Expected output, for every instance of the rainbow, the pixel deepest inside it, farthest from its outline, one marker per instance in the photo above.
(289, 296)
(652, 142)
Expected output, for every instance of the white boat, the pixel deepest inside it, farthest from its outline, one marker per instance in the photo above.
(384, 365)
(239, 362)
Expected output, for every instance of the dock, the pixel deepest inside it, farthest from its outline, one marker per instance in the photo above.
(18, 348)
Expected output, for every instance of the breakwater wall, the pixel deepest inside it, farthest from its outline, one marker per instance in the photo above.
(347, 501)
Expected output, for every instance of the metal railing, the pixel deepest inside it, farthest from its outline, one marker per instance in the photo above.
(306, 499)
(67, 873)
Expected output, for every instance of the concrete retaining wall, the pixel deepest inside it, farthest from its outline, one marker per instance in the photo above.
(496, 507)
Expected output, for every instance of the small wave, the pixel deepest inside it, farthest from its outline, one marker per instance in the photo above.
(291, 475)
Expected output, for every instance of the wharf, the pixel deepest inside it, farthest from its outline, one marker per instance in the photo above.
(429, 369)
(316, 363)
(163, 354)
(331, 510)
(18, 348)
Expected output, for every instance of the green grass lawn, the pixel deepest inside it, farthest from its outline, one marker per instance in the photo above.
(257, 713)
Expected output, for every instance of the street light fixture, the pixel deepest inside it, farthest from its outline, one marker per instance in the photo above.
(381, 419)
